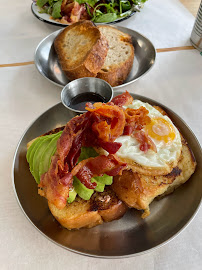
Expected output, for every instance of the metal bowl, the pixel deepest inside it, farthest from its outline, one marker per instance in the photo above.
(47, 64)
(128, 236)
(77, 93)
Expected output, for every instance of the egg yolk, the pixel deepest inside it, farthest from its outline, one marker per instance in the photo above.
(160, 129)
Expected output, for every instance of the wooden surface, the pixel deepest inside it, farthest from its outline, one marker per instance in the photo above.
(191, 5)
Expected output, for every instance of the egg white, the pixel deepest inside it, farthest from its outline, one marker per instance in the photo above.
(166, 152)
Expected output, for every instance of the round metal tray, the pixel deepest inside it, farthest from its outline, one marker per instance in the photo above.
(125, 237)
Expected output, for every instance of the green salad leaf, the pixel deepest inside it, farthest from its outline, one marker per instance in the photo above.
(56, 13)
(109, 17)
(41, 3)
(138, 2)
(100, 11)
(90, 2)
(124, 5)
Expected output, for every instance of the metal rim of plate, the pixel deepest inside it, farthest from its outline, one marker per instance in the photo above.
(46, 60)
(45, 19)
(126, 232)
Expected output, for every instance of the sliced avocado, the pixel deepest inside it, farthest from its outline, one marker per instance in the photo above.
(36, 158)
(39, 141)
(105, 179)
(49, 151)
(84, 192)
(32, 146)
(100, 186)
(72, 196)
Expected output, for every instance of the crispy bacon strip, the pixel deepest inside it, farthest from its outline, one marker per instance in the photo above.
(145, 142)
(109, 121)
(123, 99)
(70, 142)
(55, 184)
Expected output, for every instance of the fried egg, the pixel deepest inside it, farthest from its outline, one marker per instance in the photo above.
(164, 135)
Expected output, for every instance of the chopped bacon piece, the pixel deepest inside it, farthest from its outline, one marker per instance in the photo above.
(136, 119)
(72, 11)
(76, 12)
(145, 142)
(137, 116)
(123, 99)
(128, 130)
(109, 121)
(110, 147)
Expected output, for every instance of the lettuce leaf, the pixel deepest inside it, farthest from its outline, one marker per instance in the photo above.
(90, 2)
(56, 13)
(109, 17)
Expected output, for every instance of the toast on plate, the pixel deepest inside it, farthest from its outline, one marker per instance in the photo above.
(120, 56)
(102, 207)
(81, 50)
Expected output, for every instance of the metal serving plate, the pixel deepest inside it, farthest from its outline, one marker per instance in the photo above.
(47, 63)
(46, 17)
(125, 237)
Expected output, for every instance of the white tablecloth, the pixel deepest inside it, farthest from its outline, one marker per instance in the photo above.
(175, 80)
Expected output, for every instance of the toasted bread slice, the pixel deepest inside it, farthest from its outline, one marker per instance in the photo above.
(119, 60)
(138, 190)
(81, 50)
(102, 207)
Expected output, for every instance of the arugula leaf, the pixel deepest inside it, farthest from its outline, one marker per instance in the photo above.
(44, 9)
(109, 17)
(90, 2)
(139, 2)
(51, 2)
(56, 10)
(124, 6)
(41, 3)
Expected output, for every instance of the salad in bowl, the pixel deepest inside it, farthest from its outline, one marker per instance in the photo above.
(98, 11)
